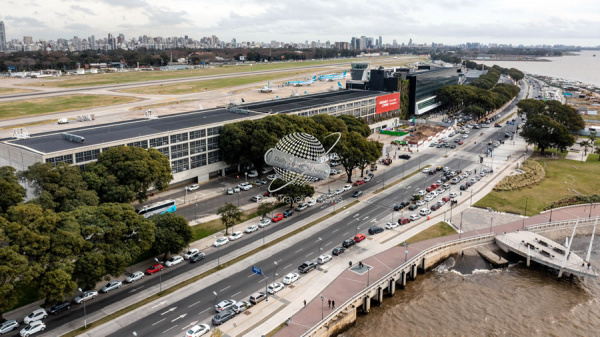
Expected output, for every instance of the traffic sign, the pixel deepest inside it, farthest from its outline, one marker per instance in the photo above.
(256, 270)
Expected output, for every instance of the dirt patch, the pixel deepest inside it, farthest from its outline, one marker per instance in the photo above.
(422, 132)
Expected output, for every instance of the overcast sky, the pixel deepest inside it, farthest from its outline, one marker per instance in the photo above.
(442, 21)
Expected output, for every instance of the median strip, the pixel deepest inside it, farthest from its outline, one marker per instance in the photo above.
(185, 283)
(399, 180)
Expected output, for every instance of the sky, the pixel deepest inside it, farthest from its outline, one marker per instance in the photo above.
(525, 22)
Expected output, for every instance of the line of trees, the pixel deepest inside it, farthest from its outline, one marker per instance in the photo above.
(549, 123)
(476, 101)
(80, 228)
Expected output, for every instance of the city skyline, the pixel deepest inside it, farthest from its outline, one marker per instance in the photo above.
(450, 23)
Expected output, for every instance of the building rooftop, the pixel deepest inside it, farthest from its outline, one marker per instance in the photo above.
(106, 133)
(292, 104)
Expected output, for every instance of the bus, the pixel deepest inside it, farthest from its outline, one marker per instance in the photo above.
(161, 207)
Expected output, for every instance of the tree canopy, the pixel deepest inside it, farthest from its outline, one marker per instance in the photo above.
(126, 173)
(230, 215)
(545, 132)
(12, 192)
(559, 112)
(173, 233)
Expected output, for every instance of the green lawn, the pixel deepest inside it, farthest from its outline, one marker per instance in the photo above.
(438, 230)
(47, 105)
(199, 86)
(6, 91)
(564, 178)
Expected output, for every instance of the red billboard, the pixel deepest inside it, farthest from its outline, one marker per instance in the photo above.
(388, 102)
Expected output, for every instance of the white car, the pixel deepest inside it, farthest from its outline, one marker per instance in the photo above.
(236, 189)
(245, 186)
(235, 235)
(453, 195)
(32, 328)
(253, 174)
(429, 198)
(311, 202)
(414, 217)
(8, 326)
(256, 198)
(271, 177)
(421, 192)
(301, 207)
(36, 315)
(193, 187)
(339, 191)
(112, 285)
(190, 253)
(229, 191)
(290, 278)
(347, 187)
(441, 190)
(424, 211)
(426, 170)
(251, 229)
(138, 275)
(266, 169)
(391, 225)
(221, 241)
(420, 203)
(241, 306)
(324, 259)
(367, 179)
(274, 287)
(465, 136)
(175, 260)
(88, 295)
(198, 330)
(264, 223)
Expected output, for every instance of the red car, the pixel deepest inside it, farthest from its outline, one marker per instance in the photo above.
(359, 182)
(446, 199)
(460, 143)
(429, 189)
(154, 268)
(434, 186)
(359, 237)
(277, 217)
(403, 221)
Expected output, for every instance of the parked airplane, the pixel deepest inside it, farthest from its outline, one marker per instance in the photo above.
(301, 83)
(339, 87)
(266, 88)
(331, 77)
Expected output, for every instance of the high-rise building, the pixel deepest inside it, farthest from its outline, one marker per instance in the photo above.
(363, 43)
(27, 40)
(410, 42)
(92, 42)
(2, 36)
(380, 44)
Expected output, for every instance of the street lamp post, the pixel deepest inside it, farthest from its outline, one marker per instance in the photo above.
(185, 195)
(264, 235)
(246, 173)
(159, 277)
(215, 302)
(84, 311)
(320, 243)
(322, 306)
(368, 276)
(196, 207)
(274, 271)
(550, 215)
(460, 231)
(405, 244)
(525, 215)
(471, 203)
(491, 222)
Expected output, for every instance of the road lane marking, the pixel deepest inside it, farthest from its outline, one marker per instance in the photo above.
(203, 311)
(159, 321)
(135, 289)
(251, 275)
(193, 304)
(346, 233)
(337, 229)
(182, 316)
(328, 243)
(309, 254)
(299, 250)
(289, 265)
(159, 304)
(222, 290)
(171, 328)
(168, 311)
(234, 295)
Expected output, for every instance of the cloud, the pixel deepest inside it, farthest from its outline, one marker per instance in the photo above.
(78, 27)
(125, 3)
(164, 16)
(24, 21)
(81, 9)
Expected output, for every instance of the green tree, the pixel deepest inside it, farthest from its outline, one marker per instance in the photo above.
(126, 173)
(350, 150)
(597, 151)
(14, 272)
(371, 151)
(230, 215)
(60, 188)
(173, 233)
(294, 193)
(12, 192)
(356, 124)
(474, 110)
(264, 208)
(545, 132)
(586, 145)
(114, 236)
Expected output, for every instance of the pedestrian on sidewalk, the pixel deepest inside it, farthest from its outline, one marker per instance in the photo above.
(304, 302)
(329, 303)
(350, 264)
(332, 304)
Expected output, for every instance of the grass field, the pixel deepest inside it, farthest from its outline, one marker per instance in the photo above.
(564, 178)
(199, 86)
(132, 77)
(438, 230)
(40, 106)
(172, 101)
(7, 91)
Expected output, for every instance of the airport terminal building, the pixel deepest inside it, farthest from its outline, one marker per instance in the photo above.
(190, 140)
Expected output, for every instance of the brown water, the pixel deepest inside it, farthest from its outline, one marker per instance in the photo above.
(515, 301)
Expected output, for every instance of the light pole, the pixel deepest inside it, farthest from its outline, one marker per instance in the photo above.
(368, 276)
(460, 231)
(218, 253)
(550, 215)
(491, 222)
(215, 302)
(383, 182)
(320, 243)
(471, 203)
(196, 207)
(274, 271)
(322, 306)
(264, 234)
(405, 244)
(523, 227)
(246, 173)
(159, 277)
(84, 312)
(185, 195)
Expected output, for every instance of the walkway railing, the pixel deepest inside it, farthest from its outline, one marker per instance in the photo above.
(441, 246)
(564, 223)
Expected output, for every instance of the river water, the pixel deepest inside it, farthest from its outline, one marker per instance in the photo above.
(583, 67)
(466, 298)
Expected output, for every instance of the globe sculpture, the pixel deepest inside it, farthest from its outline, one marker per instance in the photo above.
(299, 158)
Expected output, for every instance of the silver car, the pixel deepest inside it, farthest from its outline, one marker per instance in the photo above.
(112, 285)
(8, 326)
(88, 295)
(138, 275)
